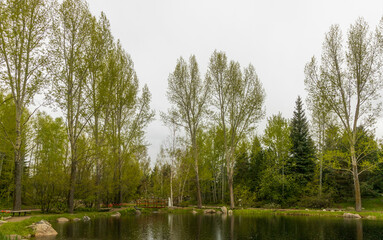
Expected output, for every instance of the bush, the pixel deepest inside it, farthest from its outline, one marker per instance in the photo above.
(271, 206)
(186, 203)
(315, 202)
(243, 196)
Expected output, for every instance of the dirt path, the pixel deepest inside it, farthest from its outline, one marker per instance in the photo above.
(18, 219)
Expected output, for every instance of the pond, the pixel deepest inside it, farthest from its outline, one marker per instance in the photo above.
(188, 226)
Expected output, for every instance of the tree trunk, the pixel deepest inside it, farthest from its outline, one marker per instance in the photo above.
(358, 199)
(18, 161)
(195, 153)
(171, 187)
(72, 183)
(230, 173)
(98, 163)
(232, 204)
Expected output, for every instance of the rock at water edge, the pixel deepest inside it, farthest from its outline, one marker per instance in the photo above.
(209, 211)
(62, 219)
(43, 229)
(117, 214)
(224, 210)
(351, 215)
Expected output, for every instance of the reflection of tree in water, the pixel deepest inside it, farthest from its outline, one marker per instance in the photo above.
(359, 229)
(188, 226)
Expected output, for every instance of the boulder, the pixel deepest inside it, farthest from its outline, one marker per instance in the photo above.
(86, 218)
(138, 212)
(62, 219)
(43, 229)
(1, 222)
(219, 212)
(209, 211)
(371, 217)
(117, 214)
(351, 215)
(76, 219)
(224, 210)
(230, 212)
(194, 212)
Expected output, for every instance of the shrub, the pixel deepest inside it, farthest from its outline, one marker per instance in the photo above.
(243, 196)
(315, 202)
(271, 206)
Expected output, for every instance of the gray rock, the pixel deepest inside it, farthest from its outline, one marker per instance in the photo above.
(351, 215)
(371, 217)
(209, 211)
(194, 212)
(230, 212)
(76, 219)
(43, 229)
(138, 212)
(224, 210)
(86, 218)
(117, 214)
(62, 219)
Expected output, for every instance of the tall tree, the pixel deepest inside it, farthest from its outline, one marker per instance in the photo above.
(349, 81)
(239, 100)
(101, 42)
(189, 95)
(277, 140)
(321, 120)
(302, 150)
(23, 31)
(68, 45)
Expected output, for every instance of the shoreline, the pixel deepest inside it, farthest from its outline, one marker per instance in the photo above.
(20, 228)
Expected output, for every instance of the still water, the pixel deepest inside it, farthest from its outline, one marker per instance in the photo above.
(185, 226)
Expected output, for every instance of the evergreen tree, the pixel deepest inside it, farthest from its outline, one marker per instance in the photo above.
(301, 162)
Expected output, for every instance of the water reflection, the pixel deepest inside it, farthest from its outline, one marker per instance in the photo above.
(169, 226)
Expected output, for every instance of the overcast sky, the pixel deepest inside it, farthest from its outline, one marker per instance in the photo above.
(277, 37)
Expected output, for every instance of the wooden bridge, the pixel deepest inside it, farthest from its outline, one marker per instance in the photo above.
(152, 203)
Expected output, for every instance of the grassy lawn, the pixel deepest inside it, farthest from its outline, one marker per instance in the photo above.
(369, 204)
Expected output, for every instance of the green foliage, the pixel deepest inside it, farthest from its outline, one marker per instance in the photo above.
(302, 150)
(244, 196)
(48, 178)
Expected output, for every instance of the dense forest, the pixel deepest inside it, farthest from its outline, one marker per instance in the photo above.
(58, 56)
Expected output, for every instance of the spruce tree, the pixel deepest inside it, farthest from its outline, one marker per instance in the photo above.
(302, 153)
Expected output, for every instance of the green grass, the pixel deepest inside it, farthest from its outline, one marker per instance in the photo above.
(3, 237)
(301, 212)
(369, 204)
(21, 228)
